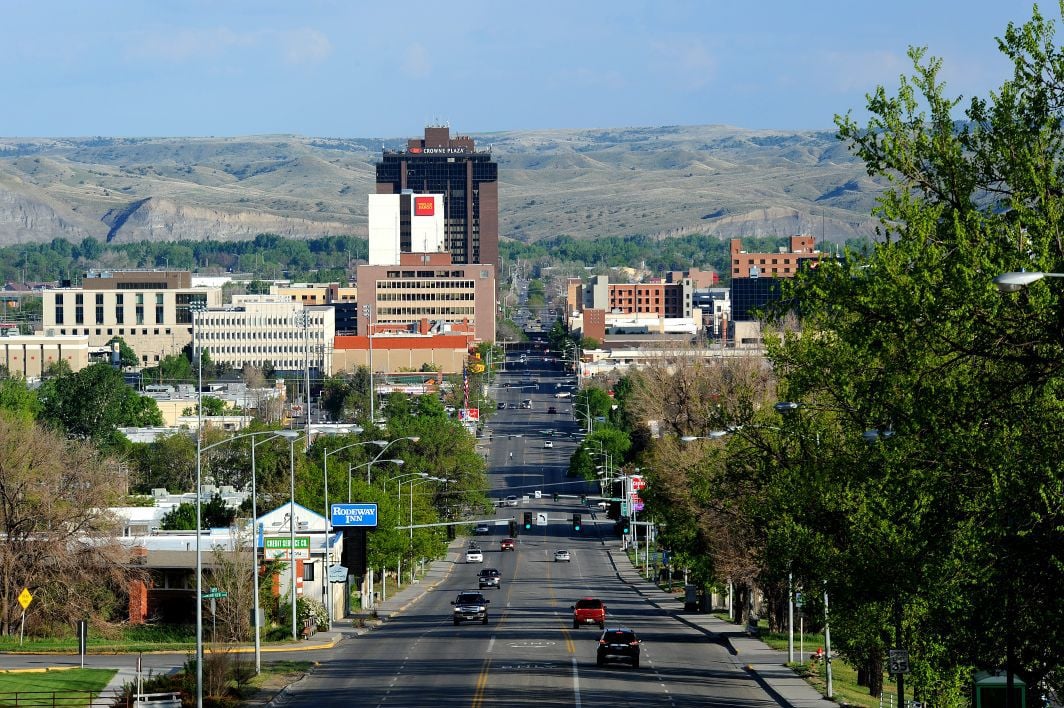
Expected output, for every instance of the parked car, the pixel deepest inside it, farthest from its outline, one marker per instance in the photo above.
(589, 610)
(489, 578)
(470, 606)
(562, 555)
(618, 643)
(507, 544)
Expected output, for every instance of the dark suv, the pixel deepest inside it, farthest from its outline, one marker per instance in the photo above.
(489, 578)
(618, 643)
(470, 606)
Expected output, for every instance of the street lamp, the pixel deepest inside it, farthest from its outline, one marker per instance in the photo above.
(395, 461)
(386, 444)
(291, 436)
(325, 542)
(1013, 281)
(785, 408)
(413, 483)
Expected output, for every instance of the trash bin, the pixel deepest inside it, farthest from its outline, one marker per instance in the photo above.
(690, 598)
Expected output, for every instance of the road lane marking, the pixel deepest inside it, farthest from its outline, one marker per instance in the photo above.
(569, 645)
(491, 643)
(576, 684)
(482, 683)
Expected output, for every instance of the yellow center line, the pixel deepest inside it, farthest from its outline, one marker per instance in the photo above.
(569, 646)
(485, 669)
(482, 683)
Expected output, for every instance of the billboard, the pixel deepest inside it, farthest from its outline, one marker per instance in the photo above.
(424, 206)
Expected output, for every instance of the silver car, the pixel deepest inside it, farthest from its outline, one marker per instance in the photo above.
(562, 555)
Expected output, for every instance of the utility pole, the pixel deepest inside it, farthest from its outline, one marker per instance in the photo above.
(366, 312)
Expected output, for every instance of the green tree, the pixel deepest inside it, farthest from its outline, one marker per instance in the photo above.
(94, 401)
(127, 357)
(214, 514)
(17, 400)
(946, 533)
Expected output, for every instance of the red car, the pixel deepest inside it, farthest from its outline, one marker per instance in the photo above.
(589, 611)
(507, 544)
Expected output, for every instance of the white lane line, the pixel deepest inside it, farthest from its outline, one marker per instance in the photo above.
(576, 684)
(491, 643)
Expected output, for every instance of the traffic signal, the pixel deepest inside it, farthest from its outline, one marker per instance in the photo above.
(513, 527)
(556, 496)
(576, 522)
(528, 521)
(626, 526)
(583, 499)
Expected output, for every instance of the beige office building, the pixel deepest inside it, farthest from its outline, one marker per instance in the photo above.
(316, 293)
(151, 310)
(427, 286)
(28, 356)
(268, 330)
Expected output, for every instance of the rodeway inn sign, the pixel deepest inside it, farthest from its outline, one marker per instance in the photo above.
(354, 515)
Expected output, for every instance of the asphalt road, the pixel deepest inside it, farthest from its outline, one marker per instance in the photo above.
(528, 652)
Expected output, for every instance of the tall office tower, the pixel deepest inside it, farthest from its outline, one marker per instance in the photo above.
(467, 179)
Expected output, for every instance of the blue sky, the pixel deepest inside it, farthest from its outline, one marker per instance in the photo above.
(371, 69)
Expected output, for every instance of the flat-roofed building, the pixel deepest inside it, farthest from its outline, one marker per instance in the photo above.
(268, 330)
(429, 286)
(466, 178)
(666, 300)
(782, 264)
(151, 310)
(29, 355)
(316, 293)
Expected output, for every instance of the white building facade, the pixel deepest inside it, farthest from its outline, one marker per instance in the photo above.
(268, 331)
(404, 223)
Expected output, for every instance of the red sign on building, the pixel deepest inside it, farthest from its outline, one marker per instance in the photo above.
(638, 483)
(424, 206)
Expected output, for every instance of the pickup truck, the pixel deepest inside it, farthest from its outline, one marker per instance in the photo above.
(589, 610)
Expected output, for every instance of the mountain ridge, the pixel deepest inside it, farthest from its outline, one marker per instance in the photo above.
(658, 181)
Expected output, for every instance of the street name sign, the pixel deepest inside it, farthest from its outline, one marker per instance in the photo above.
(214, 594)
(354, 515)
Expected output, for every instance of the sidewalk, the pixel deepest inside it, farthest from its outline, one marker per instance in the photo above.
(766, 665)
(435, 573)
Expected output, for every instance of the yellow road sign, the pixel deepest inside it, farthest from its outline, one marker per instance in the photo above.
(25, 598)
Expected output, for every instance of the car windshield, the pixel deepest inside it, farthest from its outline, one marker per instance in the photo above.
(469, 599)
(588, 604)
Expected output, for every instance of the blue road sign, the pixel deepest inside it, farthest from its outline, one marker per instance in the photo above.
(348, 515)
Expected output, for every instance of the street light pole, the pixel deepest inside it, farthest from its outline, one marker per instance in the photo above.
(366, 311)
(199, 511)
(292, 436)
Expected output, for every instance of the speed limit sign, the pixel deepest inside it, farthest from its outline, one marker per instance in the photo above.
(898, 660)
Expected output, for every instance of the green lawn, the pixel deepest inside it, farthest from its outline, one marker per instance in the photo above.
(93, 680)
(843, 676)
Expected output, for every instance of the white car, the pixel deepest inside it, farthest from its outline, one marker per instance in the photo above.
(562, 394)
(474, 555)
(562, 555)
(548, 443)
(511, 500)
(482, 529)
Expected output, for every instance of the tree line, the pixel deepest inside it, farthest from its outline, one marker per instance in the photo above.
(900, 450)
